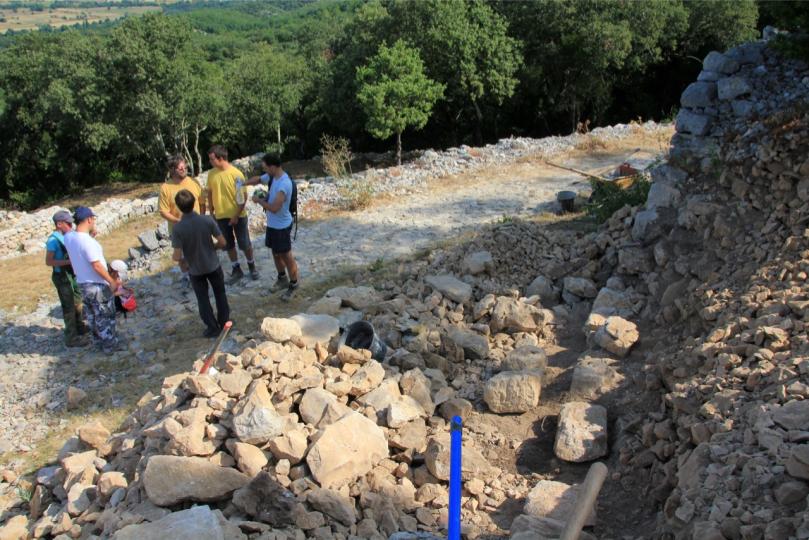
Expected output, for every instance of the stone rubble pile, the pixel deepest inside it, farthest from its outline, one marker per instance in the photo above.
(299, 436)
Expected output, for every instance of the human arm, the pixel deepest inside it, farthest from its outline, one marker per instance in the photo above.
(51, 260)
(101, 270)
(277, 203)
(220, 242)
(252, 181)
(177, 256)
(164, 206)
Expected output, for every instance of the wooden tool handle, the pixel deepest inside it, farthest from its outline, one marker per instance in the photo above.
(588, 493)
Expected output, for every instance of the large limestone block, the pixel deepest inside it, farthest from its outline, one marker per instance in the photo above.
(197, 523)
(543, 287)
(437, 457)
(699, 94)
(513, 391)
(581, 287)
(554, 500)
(172, 479)
(616, 335)
(317, 328)
(451, 287)
(333, 504)
(691, 122)
(367, 378)
(733, 87)
(593, 377)
(582, 432)
(255, 420)
(793, 415)
(250, 459)
(510, 314)
(526, 358)
(280, 330)
(477, 262)
(474, 345)
(317, 403)
(402, 411)
(346, 449)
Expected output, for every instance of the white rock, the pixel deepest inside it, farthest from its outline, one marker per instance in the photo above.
(582, 432)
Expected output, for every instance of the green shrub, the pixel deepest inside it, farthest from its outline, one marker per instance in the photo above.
(608, 198)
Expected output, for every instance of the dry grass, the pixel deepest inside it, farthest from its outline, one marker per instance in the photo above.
(591, 143)
(27, 19)
(31, 271)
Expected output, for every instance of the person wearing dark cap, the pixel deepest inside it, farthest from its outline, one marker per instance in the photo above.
(64, 279)
(96, 284)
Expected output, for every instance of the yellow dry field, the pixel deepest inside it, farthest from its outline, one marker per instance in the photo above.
(26, 280)
(28, 19)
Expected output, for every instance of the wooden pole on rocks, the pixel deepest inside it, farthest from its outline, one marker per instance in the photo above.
(585, 501)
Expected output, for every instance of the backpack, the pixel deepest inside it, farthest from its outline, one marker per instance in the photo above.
(293, 202)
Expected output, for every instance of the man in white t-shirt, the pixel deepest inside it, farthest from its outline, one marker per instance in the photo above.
(97, 286)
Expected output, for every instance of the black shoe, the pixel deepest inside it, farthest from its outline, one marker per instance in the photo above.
(211, 332)
(280, 284)
(236, 275)
(254, 275)
(287, 295)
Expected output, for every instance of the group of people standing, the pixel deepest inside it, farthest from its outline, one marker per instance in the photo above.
(86, 285)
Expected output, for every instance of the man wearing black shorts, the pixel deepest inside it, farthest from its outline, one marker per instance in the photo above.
(279, 223)
(227, 197)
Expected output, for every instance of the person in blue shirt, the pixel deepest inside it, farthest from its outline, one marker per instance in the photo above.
(278, 236)
(64, 279)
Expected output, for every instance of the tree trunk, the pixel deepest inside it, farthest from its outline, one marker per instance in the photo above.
(197, 131)
(399, 148)
(278, 135)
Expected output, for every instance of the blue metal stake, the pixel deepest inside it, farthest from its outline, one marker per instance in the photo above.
(455, 461)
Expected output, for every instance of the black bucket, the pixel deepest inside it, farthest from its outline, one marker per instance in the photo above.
(567, 199)
(361, 335)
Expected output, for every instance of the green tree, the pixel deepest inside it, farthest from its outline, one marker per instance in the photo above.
(265, 86)
(395, 93)
(55, 135)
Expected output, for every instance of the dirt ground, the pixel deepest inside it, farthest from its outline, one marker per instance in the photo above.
(28, 19)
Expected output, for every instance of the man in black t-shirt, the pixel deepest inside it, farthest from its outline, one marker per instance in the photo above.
(193, 241)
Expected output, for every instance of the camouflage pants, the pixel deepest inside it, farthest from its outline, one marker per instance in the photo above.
(70, 299)
(99, 308)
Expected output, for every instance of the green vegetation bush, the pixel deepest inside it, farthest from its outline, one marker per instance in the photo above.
(608, 198)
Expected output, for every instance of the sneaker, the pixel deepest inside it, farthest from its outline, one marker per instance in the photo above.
(118, 347)
(254, 275)
(280, 284)
(287, 295)
(236, 275)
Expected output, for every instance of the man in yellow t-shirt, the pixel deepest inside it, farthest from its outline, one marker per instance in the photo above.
(178, 179)
(227, 197)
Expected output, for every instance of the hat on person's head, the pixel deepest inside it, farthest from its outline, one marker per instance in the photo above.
(62, 215)
(82, 213)
(119, 266)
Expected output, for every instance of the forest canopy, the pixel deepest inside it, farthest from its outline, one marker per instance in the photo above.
(85, 106)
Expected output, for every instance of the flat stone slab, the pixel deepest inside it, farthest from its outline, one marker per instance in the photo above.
(318, 328)
(451, 287)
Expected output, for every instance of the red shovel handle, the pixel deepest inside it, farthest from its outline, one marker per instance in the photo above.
(209, 360)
